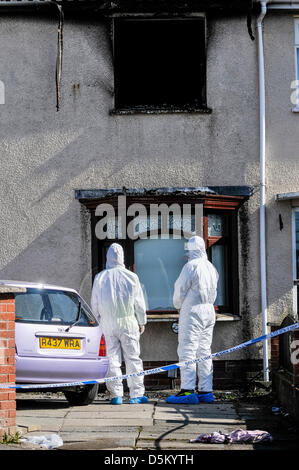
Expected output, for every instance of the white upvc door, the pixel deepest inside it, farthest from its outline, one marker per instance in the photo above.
(295, 248)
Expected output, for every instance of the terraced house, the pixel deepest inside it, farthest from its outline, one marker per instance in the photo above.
(192, 104)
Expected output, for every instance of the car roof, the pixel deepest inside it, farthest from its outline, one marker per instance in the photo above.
(38, 285)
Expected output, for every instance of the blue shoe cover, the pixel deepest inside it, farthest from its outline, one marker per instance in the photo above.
(138, 400)
(205, 397)
(116, 401)
(190, 399)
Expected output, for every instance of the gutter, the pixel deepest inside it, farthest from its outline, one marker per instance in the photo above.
(263, 187)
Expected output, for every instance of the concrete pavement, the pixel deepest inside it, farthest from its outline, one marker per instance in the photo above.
(155, 425)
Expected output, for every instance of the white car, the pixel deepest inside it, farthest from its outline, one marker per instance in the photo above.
(58, 340)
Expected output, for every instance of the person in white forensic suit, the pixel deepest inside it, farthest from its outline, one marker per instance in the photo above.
(118, 302)
(195, 292)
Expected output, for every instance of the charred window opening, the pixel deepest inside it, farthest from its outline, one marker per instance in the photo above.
(160, 64)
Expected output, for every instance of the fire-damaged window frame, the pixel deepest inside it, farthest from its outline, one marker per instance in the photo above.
(212, 204)
(146, 108)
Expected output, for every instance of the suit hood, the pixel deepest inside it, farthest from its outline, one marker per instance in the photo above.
(115, 256)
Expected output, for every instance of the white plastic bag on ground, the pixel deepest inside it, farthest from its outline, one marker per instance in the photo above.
(50, 442)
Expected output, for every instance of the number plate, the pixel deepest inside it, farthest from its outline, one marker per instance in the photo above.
(59, 343)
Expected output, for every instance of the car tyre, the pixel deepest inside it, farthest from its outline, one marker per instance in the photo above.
(83, 395)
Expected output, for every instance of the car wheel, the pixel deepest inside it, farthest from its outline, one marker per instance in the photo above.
(83, 395)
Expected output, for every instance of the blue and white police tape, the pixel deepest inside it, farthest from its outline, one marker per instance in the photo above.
(157, 370)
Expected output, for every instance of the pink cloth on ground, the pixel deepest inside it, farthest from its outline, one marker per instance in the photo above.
(237, 436)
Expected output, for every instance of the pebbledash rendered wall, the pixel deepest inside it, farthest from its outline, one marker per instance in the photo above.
(46, 155)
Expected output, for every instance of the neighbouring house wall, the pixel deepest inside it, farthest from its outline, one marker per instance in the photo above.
(282, 157)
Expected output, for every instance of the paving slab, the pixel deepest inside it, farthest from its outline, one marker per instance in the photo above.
(195, 446)
(215, 421)
(112, 429)
(82, 436)
(127, 415)
(197, 413)
(74, 424)
(28, 427)
(102, 443)
(193, 414)
(178, 445)
(44, 423)
(97, 445)
(42, 413)
(21, 446)
(114, 408)
(71, 437)
(202, 407)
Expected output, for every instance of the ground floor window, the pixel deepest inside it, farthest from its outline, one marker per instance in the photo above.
(158, 258)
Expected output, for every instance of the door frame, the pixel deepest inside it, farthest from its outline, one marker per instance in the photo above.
(295, 274)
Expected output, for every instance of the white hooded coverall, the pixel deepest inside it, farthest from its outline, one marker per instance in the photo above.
(118, 302)
(194, 295)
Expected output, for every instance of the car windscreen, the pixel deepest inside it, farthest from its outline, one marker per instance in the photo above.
(52, 306)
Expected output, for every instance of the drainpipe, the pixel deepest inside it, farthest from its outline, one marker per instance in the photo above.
(262, 126)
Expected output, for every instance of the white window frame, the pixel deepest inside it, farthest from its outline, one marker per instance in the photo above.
(295, 274)
(296, 49)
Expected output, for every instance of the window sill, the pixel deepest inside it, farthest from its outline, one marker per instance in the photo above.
(152, 110)
(175, 316)
(163, 317)
(227, 317)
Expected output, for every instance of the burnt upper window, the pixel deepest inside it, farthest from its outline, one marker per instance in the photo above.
(160, 64)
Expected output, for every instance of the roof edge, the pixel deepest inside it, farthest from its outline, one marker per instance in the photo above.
(89, 194)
